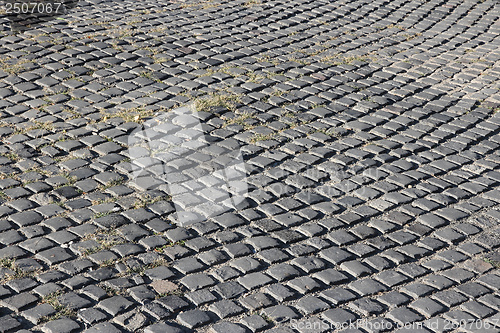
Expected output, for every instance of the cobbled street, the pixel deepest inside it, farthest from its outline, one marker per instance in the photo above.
(365, 135)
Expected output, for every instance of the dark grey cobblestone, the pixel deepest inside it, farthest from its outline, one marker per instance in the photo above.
(370, 134)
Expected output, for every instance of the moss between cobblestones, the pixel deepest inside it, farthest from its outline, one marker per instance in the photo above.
(43, 125)
(11, 156)
(222, 69)
(266, 318)
(106, 239)
(138, 114)
(149, 75)
(413, 36)
(291, 119)
(204, 5)
(300, 61)
(112, 183)
(221, 99)
(160, 60)
(328, 131)
(147, 200)
(108, 263)
(338, 60)
(14, 68)
(495, 110)
(160, 249)
(17, 273)
(71, 179)
(493, 263)
(170, 293)
(61, 310)
(262, 137)
(251, 3)
(142, 269)
(239, 120)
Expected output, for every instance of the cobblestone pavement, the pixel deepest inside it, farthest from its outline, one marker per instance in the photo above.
(370, 135)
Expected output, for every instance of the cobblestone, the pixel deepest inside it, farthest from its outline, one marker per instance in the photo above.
(65, 325)
(369, 142)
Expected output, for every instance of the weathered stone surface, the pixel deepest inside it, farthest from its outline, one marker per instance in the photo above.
(163, 286)
(342, 164)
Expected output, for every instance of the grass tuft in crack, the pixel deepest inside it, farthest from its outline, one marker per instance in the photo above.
(15, 272)
(225, 100)
(147, 200)
(137, 115)
(262, 137)
(61, 310)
